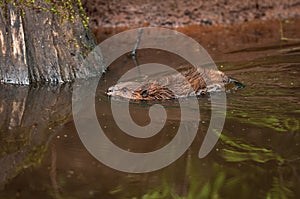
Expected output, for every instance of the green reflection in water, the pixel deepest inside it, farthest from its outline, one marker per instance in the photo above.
(238, 152)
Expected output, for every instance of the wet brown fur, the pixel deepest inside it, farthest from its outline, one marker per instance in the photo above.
(158, 91)
(153, 92)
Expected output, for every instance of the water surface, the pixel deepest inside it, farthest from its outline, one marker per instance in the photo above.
(257, 156)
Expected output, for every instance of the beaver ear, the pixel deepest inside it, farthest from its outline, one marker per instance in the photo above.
(144, 93)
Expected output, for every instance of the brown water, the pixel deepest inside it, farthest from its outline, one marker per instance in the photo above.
(257, 156)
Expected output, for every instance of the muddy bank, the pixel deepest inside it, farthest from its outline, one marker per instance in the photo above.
(221, 27)
(173, 13)
(239, 42)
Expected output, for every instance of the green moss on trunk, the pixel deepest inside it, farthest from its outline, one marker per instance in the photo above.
(67, 9)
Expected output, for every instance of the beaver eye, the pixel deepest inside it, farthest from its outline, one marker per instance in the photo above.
(124, 90)
(144, 93)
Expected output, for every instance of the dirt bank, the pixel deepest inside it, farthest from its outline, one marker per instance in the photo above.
(233, 27)
(173, 13)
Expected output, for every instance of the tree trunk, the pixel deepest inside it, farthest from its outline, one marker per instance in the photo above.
(44, 41)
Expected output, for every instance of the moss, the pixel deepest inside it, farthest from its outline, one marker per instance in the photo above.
(85, 19)
(67, 10)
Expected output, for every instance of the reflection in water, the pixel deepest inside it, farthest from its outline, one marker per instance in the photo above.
(29, 120)
(41, 155)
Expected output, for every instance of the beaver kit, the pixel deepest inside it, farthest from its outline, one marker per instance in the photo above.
(190, 81)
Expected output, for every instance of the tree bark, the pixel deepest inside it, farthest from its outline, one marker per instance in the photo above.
(43, 42)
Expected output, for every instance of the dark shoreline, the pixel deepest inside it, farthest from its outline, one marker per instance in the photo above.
(175, 13)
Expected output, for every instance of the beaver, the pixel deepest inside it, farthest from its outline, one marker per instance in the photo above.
(173, 86)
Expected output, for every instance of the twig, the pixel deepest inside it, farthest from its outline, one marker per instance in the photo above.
(133, 53)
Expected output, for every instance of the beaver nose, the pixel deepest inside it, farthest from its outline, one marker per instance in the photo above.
(109, 91)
